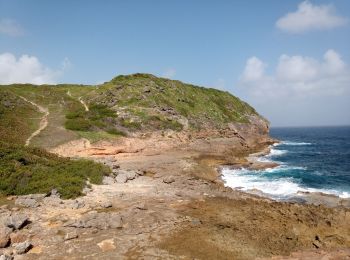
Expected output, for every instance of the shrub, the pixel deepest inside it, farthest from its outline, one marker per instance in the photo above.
(25, 170)
(78, 124)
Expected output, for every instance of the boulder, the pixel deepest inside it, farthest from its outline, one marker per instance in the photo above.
(26, 202)
(22, 248)
(52, 201)
(5, 236)
(121, 178)
(169, 179)
(15, 221)
(6, 257)
(106, 204)
(130, 175)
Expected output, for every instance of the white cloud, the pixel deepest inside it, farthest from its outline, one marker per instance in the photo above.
(11, 28)
(254, 69)
(27, 69)
(310, 17)
(169, 73)
(298, 76)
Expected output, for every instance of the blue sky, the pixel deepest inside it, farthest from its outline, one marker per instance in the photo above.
(239, 46)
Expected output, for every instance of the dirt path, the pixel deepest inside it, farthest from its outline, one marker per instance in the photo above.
(84, 104)
(43, 122)
(80, 100)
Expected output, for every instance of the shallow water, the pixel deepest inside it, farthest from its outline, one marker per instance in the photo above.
(314, 159)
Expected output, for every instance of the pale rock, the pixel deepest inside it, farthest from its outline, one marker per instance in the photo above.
(5, 236)
(169, 179)
(107, 180)
(22, 248)
(121, 178)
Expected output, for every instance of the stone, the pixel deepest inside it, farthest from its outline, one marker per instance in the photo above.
(107, 180)
(169, 179)
(116, 221)
(5, 236)
(26, 202)
(71, 235)
(130, 175)
(106, 204)
(16, 221)
(121, 178)
(55, 193)
(6, 257)
(22, 248)
(52, 201)
(18, 237)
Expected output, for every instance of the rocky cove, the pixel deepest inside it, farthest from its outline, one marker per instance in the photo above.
(165, 200)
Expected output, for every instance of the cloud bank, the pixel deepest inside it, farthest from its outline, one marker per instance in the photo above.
(10, 27)
(297, 76)
(27, 69)
(310, 17)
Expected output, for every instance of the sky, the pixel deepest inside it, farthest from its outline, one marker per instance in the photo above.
(288, 59)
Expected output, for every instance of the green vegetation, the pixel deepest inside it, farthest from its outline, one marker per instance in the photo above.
(26, 170)
(124, 105)
(157, 103)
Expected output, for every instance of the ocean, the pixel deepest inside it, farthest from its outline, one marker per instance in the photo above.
(312, 159)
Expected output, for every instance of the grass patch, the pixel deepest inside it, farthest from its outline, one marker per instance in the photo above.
(25, 170)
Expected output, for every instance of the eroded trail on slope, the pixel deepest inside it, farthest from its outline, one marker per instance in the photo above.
(80, 100)
(43, 122)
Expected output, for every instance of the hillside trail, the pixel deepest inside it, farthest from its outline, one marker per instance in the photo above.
(43, 122)
(80, 100)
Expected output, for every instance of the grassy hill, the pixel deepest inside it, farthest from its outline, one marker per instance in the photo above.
(120, 107)
(124, 105)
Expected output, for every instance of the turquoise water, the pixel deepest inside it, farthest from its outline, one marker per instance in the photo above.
(314, 159)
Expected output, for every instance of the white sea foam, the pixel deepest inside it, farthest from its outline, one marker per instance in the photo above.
(294, 143)
(275, 152)
(282, 188)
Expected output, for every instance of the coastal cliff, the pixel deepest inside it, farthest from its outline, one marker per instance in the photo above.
(129, 169)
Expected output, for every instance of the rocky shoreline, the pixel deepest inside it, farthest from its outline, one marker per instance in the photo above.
(165, 200)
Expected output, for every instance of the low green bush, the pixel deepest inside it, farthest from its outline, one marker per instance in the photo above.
(25, 170)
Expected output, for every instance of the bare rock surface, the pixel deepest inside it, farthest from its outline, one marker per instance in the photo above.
(165, 200)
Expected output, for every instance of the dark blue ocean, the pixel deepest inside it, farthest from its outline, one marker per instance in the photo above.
(314, 159)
